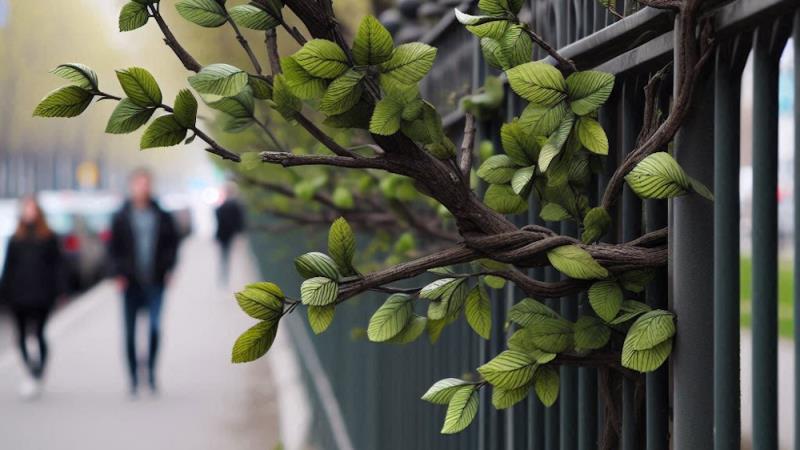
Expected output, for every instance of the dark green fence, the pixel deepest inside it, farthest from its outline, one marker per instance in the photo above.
(694, 403)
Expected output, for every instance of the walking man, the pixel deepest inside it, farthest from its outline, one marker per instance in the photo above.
(230, 222)
(144, 246)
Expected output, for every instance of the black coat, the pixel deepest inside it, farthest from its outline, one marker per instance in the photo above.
(33, 273)
(123, 248)
(230, 220)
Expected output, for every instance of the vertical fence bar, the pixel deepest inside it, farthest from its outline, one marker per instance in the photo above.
(631, 229)
(568, 397)
(727, 85)
(796, 275)
(551, 414)
(765, 241)
(691, 288)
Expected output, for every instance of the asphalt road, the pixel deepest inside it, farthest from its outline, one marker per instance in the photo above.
(205, 401)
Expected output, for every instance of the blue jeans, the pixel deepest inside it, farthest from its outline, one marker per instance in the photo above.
(148, 298)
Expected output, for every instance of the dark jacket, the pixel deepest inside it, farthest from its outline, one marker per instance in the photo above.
(230, 220)
(123, 250)
(33, 272)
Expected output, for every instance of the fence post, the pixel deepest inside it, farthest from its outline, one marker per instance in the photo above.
(691, 281)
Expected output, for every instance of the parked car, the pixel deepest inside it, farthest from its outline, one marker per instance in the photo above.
(83, 221)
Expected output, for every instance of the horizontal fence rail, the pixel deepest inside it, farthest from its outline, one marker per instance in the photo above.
(694, 404)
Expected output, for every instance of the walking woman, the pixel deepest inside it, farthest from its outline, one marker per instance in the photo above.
(30, 284)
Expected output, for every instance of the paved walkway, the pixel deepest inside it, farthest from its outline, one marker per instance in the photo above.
(206, 402)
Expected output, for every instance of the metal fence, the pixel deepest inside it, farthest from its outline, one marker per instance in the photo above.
(694, 404)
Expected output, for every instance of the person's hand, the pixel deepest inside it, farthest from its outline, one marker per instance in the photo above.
(122, 282)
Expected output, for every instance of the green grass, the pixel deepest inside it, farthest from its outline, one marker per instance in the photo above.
(785, 289)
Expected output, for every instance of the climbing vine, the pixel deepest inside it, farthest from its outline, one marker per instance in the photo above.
(550, 152)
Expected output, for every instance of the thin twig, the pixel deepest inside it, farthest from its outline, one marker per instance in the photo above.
(245, 45)
(467, 146)
(271, 42)
(566, 64)
(186, 59)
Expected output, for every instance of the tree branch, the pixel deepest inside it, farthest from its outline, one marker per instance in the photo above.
(467, 147)
(289, 160)
(243, 42)
(186, 59)
(565, 64)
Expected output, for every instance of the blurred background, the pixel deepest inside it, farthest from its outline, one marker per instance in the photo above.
(80, 174)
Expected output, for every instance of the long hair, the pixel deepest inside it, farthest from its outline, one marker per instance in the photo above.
(40, 228)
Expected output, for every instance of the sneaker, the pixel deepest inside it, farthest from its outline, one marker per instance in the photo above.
(29, 389)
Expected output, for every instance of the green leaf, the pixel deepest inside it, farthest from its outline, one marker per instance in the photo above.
(519, 144)
(386, 117)
(591, 333)
(592, 135)
(701, 189)
(286, 103)
(261, 301)
(479, 312)
(300, 82)
(509, 370)
(576, 262)
(538, 83)
(555, 142)
(254, 342)
(185, 108)
(261, 89)
(253, 17)
(357, 117)
(390, 318)
(373, 43)
(541, 120)
(500, 7)
(240, 106)
(413, 330)
(636, 280)
(78, 74)
(630, 310)
(516, 46)
(320, 317)
(553, 212)
(468, 19)
(595, 224)
(342, 245)
(319, 291)
(428, 130)
(493, 53)
(165, 131)
(128, 117)
(522, 180)
(546, 385)
(409, 63)
(447, 295)
(553, 335)
(140, 86)
(501, 198)
(646, 360)
(68, 101)
(588, 90)
(498, 169)
(606, 299)
(316, 264)
(523, 341)
(219, 79)
(462, 410)
(494, 282)
(206, 13)
(493, 30)
(322, 59)
(529, 311)
(658, 176)
(132, 16)
(651, 329)
(443, 390)
(506, 398)
(343, 93)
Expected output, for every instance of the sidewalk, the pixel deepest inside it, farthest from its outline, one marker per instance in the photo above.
(206, 402)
